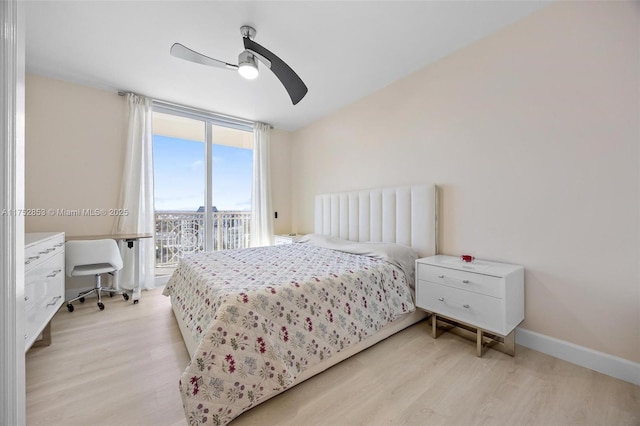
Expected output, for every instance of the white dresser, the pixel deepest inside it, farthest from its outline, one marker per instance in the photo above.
(482, 295)
(44, 283)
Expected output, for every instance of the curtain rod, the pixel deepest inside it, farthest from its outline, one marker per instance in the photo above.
(200, 110)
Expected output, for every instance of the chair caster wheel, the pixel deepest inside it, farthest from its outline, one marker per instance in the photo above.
(101, 306)
(69, 307)
(81, 300)
(135, 302)
(125, 296)
(110, 294)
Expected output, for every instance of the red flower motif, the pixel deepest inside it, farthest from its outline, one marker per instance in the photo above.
(262, 345)
(232, 363)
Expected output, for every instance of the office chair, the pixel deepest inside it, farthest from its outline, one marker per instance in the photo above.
(93, 257)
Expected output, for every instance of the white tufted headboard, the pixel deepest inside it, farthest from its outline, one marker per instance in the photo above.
(405, 215)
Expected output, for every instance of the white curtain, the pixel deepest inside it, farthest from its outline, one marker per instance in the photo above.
(261, 224)
(136, 194)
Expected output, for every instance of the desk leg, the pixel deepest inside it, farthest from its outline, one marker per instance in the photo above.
(136, 289)
(136, 269)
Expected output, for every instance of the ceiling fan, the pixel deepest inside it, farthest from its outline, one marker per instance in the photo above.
(247, 65)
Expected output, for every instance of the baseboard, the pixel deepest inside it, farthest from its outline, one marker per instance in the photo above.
(161, 280)
(601, 362)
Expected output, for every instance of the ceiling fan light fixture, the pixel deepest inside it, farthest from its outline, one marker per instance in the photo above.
(247, 65)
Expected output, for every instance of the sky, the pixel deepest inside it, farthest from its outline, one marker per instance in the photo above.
(179, 174)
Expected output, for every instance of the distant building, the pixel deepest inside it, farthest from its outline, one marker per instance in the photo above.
(201, 209)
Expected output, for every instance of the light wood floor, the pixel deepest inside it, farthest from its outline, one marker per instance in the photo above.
(121, 367)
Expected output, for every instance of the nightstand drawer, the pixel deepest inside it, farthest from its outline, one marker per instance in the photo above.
(477, 283)
(475, 309)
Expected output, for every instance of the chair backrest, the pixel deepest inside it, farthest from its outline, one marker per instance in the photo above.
(85, 257)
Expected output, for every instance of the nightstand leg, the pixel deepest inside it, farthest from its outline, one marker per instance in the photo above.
(438, 329)
(510, 343)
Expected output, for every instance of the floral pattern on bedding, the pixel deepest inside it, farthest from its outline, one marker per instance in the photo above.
(262, 316)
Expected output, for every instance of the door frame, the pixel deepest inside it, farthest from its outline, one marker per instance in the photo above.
(12, 124)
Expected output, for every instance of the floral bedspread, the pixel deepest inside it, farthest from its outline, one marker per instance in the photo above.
(264, 315)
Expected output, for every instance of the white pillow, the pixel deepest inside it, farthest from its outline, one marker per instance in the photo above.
(401, 256)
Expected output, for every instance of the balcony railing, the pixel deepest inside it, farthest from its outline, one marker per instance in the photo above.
(180, 232)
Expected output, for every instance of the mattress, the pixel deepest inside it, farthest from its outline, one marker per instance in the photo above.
(260, 320)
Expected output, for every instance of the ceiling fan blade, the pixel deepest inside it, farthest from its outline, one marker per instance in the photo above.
(289, 79)
(183, 52)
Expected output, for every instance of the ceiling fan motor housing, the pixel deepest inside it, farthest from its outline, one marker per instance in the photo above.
(248, 32)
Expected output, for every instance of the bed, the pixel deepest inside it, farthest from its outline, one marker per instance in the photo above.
(258, 321)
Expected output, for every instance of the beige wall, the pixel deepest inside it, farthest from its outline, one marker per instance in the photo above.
(75, 140)
(533, 136)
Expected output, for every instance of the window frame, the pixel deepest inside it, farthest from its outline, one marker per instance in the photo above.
(210, 119)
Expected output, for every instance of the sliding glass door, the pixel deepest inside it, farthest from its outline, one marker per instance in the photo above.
(231, 179)
(202, 184)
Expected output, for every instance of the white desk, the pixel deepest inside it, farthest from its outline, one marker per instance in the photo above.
(132, 241)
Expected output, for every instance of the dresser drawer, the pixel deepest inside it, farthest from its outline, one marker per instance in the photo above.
(35, 254)
(475, 309)
(477, 283)
(43, 294)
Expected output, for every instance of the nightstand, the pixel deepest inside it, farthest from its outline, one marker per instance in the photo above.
(480, 299)
(285, 239)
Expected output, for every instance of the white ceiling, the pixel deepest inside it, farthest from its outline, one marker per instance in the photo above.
(343, 50)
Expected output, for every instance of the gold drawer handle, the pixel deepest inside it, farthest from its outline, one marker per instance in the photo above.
(441, 299)
(31, 259)
(440, 276)
(465, 281)
(465, 306)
